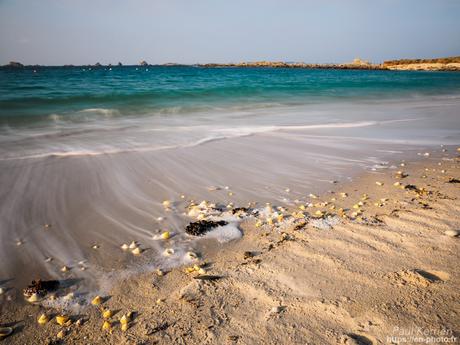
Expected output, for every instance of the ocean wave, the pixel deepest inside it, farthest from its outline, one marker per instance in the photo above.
(219, 134)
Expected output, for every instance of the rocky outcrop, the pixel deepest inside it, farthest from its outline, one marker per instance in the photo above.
(15, 64)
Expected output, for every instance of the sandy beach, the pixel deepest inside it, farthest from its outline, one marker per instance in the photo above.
(381, 271)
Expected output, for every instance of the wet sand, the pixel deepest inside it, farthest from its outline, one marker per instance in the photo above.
(345, 278)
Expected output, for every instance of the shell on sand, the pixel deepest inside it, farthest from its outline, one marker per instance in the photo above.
(62, 319)
(136, 251)
(97, 300)
(33, 298)
(168, 252)
(107, 326)
(124, 246)
(5, 331)
(165, 235)
(107, 314)
(132, 245)
(452, 233)
(43, 319)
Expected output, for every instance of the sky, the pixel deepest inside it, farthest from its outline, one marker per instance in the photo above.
(56, 32)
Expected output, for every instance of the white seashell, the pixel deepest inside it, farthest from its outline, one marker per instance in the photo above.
(168, 252)
(64, 268)
(136, 251)
(95, 246)
(49, 259)
(452, 233)
(33, 298)
(167, 203)
(69, 296)
(160, 219)
(133, 245)
(192, 256)
(124, 246)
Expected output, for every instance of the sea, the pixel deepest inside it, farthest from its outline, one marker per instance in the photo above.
(88, 155)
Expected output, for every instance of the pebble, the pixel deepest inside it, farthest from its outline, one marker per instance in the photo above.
(452, 233)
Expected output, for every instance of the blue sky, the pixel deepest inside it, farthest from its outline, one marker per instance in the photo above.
(190, 31)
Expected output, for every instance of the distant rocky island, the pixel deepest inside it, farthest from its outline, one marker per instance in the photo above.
(438, 64)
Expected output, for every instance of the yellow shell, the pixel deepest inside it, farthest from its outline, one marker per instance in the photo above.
(62, 319)
(280, 218)
(189, 270)
(378, 183)
(61, 334)
(97, 300)
(124, 327)
(43, 319)
(319, 213)
(259, 223)
(165, 235)
(107, 314)
(270, 221)
(302, 207)
(201, 271)
(33, 298)
(107, 326)
(124, 320)
(136, 251)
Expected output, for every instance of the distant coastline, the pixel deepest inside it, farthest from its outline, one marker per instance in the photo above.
(438, 64)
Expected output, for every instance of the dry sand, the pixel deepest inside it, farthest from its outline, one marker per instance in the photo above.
(390, 272)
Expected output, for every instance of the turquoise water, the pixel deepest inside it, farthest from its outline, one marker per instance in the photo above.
(31, 94)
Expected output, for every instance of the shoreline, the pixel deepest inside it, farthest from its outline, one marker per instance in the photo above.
(286, 284)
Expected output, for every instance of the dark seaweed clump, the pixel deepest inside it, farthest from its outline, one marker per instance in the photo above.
(203, 226)
(41, 287)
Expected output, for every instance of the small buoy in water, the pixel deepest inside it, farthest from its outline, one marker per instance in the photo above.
(43, 319)
(97, 300)
(107, 314)
(124, 246)
(165, 235)
(136, 251)
(62, 320)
